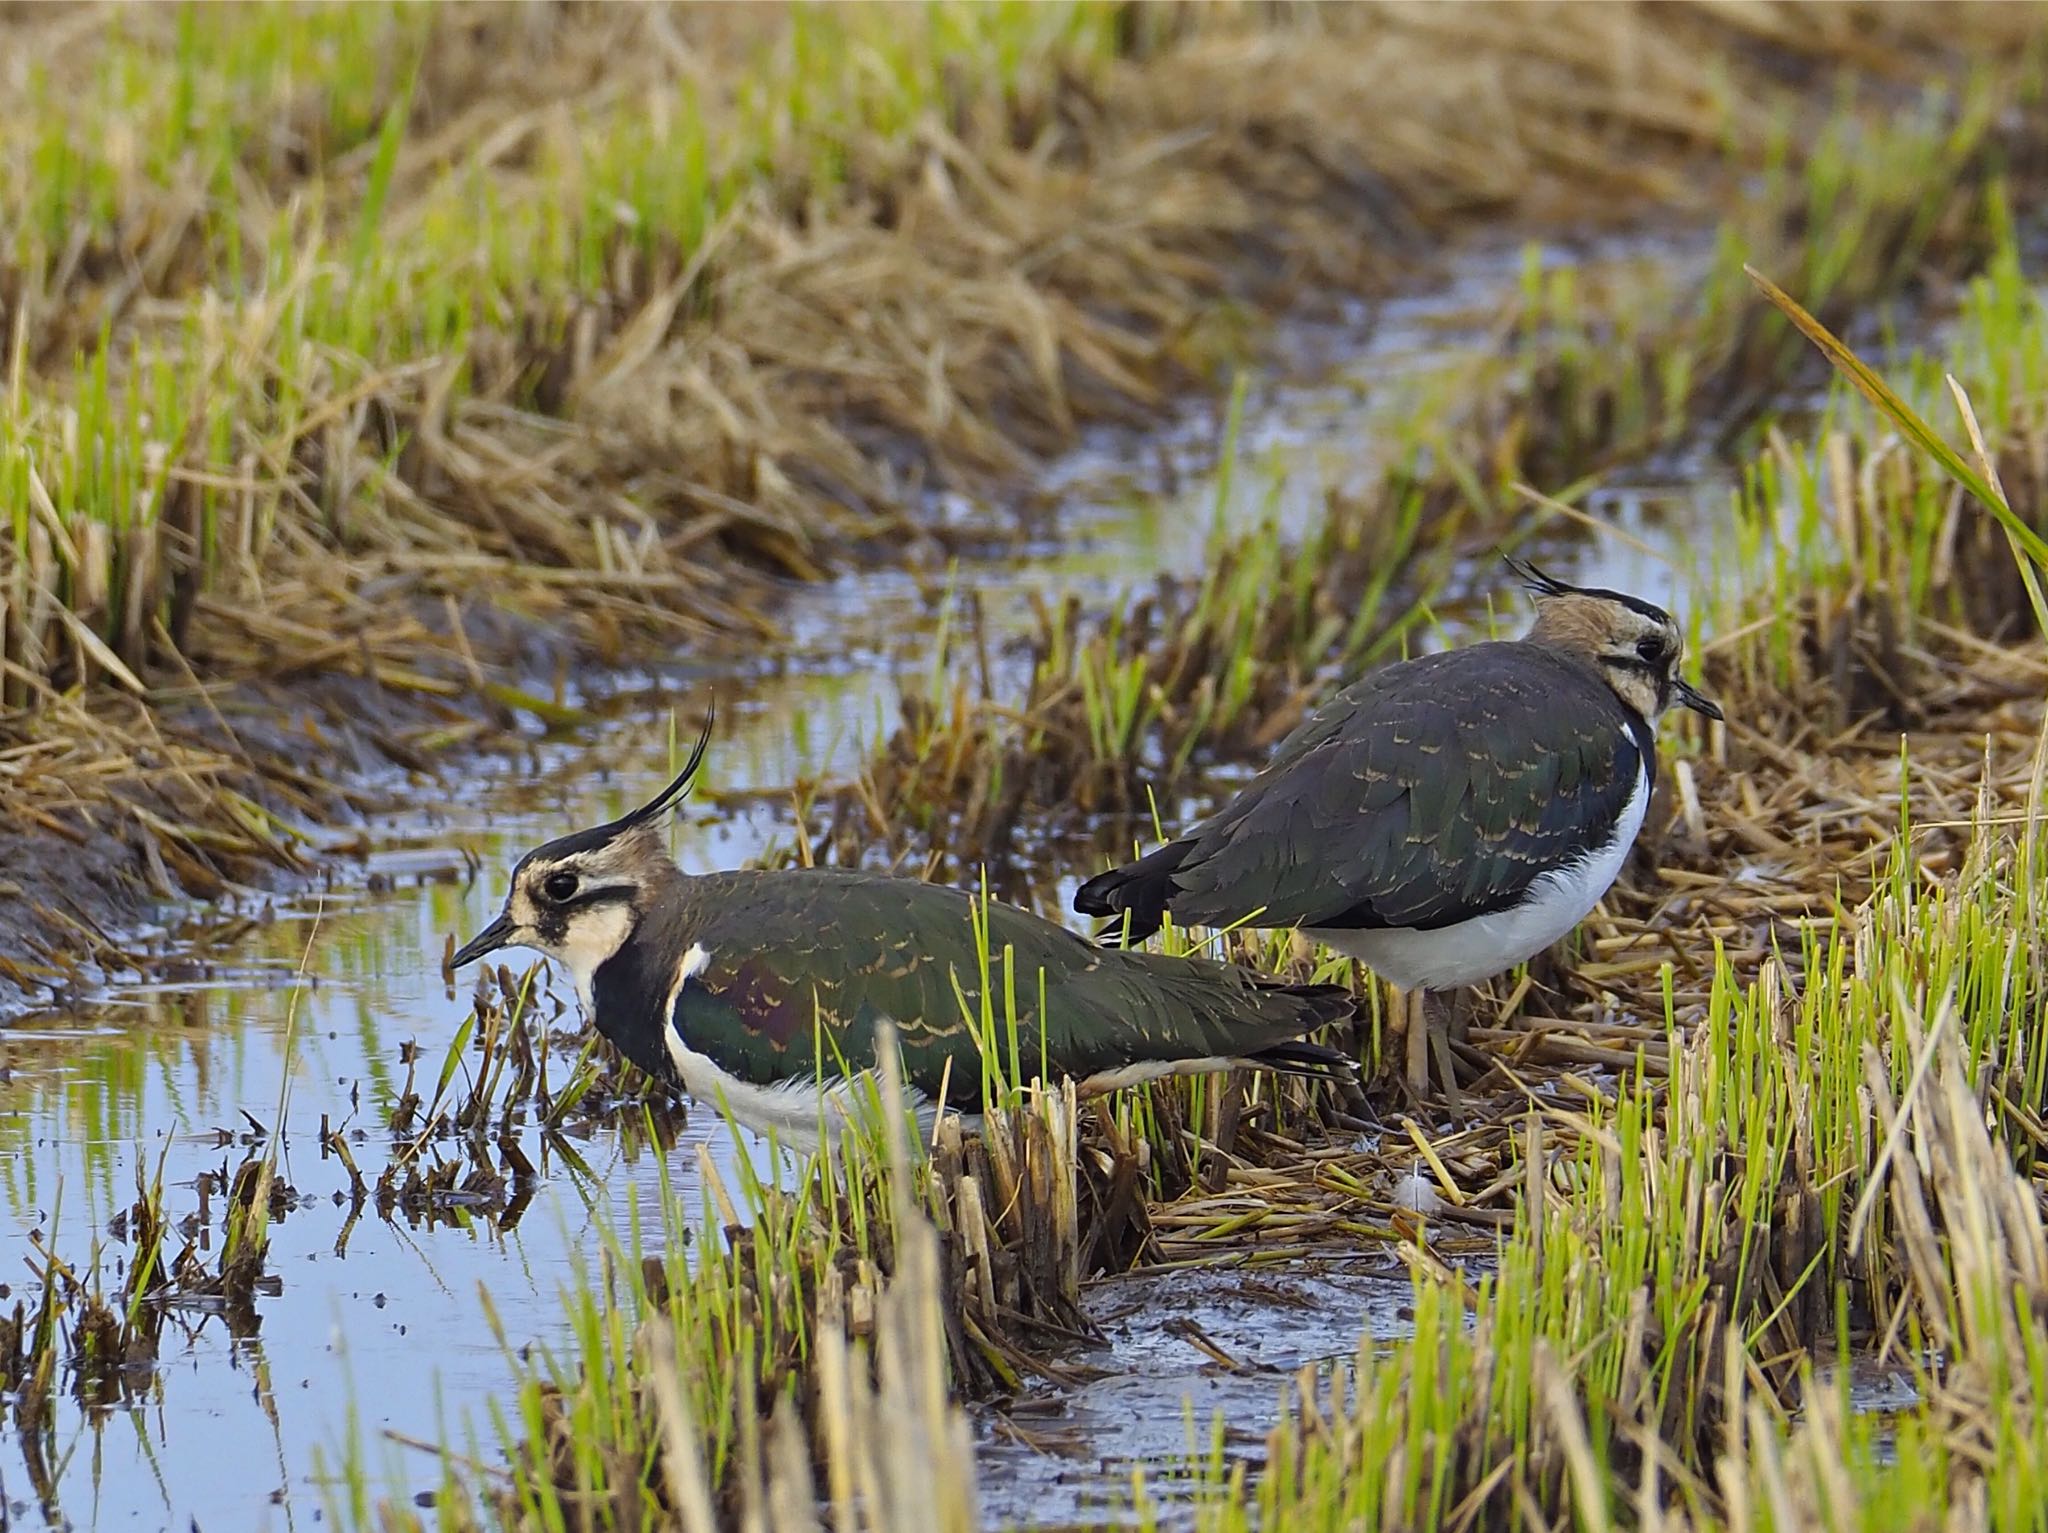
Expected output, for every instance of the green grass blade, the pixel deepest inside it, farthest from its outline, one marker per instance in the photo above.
(1901, 414)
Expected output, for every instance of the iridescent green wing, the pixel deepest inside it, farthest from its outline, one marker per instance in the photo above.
(1436, 795)
(799, 966)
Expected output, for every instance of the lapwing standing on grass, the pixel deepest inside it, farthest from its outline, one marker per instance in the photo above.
(1444, 818)
(760, 992)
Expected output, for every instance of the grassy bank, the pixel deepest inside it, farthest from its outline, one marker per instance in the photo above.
(392, 360)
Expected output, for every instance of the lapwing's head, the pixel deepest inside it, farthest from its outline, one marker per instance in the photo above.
(579, 898)
(1634, 644)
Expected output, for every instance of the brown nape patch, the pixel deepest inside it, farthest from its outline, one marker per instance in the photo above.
(1580, 625)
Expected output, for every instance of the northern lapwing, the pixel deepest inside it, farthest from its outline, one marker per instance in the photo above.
(751, 990)
(1444, 818)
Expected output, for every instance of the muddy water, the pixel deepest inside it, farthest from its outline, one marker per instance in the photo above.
(1070, 1462)
(370, 1330)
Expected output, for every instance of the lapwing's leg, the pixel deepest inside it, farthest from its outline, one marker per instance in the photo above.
(1415, 1033)
(1459, 1008)
(1426, 1020)
(1438, 1018)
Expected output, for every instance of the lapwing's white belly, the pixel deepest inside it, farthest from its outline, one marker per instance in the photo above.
(1482, 947)
(795, 1111)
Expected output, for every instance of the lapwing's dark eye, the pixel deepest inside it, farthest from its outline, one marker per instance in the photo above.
(559, 887)
(1650, 650)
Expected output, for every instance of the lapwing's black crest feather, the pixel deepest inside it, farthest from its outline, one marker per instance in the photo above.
(602, 835)
(1544, 584)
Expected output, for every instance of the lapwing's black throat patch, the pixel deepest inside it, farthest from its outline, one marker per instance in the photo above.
(629, 993)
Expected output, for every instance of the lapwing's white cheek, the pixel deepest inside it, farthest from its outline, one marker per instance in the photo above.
(589, 938)
(1640, 691)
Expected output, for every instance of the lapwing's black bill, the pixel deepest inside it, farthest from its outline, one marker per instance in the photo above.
(757, 990)
(1443, 818)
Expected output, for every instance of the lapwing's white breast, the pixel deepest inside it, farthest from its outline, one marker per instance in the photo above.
(1477, 949)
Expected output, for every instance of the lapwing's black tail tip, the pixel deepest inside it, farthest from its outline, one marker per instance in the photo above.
(1300, 1057)
(1138, 893)
(1313, 1006)
(1107, 894)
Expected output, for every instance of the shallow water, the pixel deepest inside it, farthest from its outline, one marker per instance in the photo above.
(1071, 1461)
(372, 1328)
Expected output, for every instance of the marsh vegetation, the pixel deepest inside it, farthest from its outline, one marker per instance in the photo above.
(1021, 415)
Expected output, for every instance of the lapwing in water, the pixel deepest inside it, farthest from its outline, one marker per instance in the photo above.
(759, 992)
(1444, 818)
